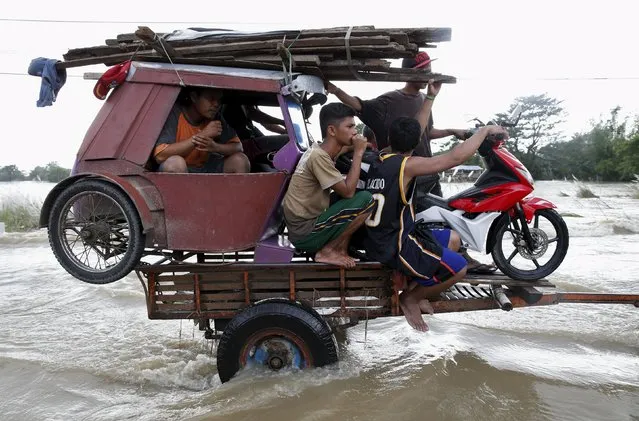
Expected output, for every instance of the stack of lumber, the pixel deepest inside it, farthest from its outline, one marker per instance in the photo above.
(357, 53)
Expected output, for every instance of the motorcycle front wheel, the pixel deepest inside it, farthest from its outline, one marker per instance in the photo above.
(516, 259)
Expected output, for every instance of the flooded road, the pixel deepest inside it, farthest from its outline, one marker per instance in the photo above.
(74, 351)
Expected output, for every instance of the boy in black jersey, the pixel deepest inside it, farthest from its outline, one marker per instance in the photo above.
(427, 258)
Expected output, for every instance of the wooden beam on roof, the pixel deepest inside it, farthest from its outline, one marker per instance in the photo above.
(150, 38)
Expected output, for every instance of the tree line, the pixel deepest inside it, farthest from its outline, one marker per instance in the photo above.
(51, 172)
(608, 151)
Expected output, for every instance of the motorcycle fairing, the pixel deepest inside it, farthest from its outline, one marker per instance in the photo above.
(497, 198)
(532, 204)
(472, 231)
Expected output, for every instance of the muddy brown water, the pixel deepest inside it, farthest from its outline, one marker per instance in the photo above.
(74, 351)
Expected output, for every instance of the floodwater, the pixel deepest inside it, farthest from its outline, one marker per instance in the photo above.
(74, 351)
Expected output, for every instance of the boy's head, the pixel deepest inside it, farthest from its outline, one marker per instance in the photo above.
(369, 134)
(338, 120)
(206, 101)
(404, 134)
(421, 61)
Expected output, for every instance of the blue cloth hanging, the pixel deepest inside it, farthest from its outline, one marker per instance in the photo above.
(52, 79)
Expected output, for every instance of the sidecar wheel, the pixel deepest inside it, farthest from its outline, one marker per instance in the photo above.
(95, 232)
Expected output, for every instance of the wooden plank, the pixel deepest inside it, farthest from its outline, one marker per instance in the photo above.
(369, 283)
(360, 64)
(298, 59)
(310, 44)
(240, 267)
(174, 288)
(277, 285)
(598, 298)
(223, 296)
(239, 49)
(174, 307)
(212, 277)
(257, 296)
(174, 298)
(161, 47)
(385, 77)
(230, 305)
(336, 294)
(224, 61)
(392, 49)
(221, 286)
(176, 278)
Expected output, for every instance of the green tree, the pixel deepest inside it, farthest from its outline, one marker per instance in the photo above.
(11, 173)
(609, 152)
(38, 173)
(538, 126)
(55, 173)
(51, 172)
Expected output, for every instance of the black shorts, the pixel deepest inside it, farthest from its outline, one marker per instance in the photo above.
(425, 264)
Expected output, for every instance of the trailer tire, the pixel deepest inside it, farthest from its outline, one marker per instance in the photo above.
(276, 334)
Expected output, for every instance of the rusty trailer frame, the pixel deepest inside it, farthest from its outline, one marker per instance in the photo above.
(216, 288)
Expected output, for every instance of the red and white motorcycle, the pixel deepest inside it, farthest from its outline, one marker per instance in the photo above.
(527, 238)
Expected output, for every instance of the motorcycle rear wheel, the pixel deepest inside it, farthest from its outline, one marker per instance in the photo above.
(551, 245)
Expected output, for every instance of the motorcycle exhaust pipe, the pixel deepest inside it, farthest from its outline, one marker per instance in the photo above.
(500, 297)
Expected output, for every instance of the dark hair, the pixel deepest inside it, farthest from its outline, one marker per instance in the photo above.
(368, 133)
(184, 97)
(333, 114)
(404, 134)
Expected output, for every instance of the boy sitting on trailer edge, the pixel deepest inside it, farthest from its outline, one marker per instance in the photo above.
(313, 226)
(427, 257)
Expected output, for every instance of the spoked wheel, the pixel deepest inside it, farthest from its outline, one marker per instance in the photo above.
(275, 334)
(95, 232)
(516, 259)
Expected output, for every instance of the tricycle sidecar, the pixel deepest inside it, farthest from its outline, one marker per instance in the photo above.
(115, 209)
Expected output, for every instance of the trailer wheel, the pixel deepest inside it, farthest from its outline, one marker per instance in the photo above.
(275, 334)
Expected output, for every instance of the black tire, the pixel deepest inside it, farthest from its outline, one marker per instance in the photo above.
(274, 320)
(503, 262)
(105, 225)
(302, 304)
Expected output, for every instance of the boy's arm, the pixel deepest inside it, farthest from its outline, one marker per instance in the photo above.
(424, 113)
(345, 98)
(417, 166)
(346, 188)
(439, 133)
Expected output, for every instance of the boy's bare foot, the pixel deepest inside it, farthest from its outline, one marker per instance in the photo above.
(412, 311)
(332, 257)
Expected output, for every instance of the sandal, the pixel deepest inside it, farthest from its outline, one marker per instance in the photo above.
(482, 269)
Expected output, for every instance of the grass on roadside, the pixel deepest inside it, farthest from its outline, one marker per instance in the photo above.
(20, 217)
(584, 192)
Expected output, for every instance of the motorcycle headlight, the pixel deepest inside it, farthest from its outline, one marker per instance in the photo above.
(524, 172)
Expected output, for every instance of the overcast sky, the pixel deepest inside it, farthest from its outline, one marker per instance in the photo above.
(499, 50)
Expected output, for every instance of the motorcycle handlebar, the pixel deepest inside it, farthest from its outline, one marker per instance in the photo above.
(495, 137)
(491, 137)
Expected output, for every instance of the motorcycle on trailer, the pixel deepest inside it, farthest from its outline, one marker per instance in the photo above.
(526, 236)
